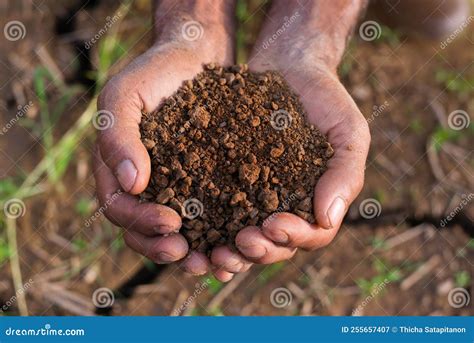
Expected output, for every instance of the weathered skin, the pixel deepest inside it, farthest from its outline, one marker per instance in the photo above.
(307, 53)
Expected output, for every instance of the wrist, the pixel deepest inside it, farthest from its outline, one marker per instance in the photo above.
(308, 33)
(203, 26)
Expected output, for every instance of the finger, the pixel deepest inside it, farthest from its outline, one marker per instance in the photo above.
(223, 276)
(159, 249)
(342, 182)
(125, 210)
(291, 231)
(225, 259)
(258, 248)
(196, 263)
(119, 140)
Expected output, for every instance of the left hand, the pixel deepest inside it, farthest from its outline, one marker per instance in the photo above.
(331, 109)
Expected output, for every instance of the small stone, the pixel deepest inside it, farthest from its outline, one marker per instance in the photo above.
(264, 173)
(213, 235)
(269, 199)
(161, 181)
(165, 196)
(255, 121)
(277, 151)
(199, 117)
(249, 173)
(237, 198)
(190, 159)
(149, 144)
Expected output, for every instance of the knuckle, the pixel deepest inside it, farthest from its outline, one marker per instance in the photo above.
(115, 88)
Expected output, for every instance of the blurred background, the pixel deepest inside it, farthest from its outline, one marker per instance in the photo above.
(407, 244)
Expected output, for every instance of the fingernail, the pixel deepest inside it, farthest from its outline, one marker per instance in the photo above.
(165, 257)
(253, 251)
(279, 236)
(126, 174)
(336, 212)
(162, 229)
(234, 267)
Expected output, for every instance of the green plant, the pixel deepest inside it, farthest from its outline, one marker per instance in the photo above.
(377, 242)
(83, 206)
(462, 278)
(389, 35)
(443, 135)
(385, 274)
(269, 271)
(214, 285)
(455, 82)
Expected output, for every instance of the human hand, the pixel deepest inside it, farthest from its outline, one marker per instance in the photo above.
(330, 108)
(308, 61)
(121, 162)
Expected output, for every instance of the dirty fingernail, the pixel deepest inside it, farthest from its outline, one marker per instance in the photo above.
(253, 251)
(336, 212)
(165, 257)
(163, 229)
(234, 267)
(126, 174)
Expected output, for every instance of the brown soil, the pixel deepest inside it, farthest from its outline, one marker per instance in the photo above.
(230, 148)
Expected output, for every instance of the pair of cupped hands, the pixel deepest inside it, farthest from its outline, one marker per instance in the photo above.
(122, 165)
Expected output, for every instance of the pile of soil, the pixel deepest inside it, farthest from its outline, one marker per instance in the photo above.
(229, 149)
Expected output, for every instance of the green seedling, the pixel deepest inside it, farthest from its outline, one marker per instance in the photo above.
(385, 275)
(462, 279)
(443, 135)
(459, 83)
(214, 285)
(377, 242)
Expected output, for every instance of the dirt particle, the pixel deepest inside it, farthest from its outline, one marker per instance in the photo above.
(213, 141)
(249, 173)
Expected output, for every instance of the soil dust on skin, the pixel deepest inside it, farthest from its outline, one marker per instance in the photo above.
(228, 150)
(57, 249)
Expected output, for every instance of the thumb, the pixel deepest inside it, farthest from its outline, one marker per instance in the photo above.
(344, 179)
(118, 119)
